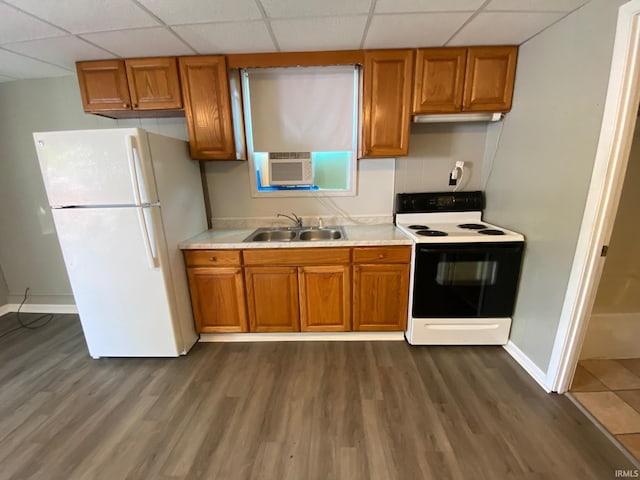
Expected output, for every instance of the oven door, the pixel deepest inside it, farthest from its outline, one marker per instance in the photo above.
(463, 280)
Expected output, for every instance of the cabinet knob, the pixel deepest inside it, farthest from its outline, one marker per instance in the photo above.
(125, 105)
(135, 105)
(381, 255)
(212, 259)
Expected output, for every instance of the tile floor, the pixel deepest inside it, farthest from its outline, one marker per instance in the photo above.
(610, 391)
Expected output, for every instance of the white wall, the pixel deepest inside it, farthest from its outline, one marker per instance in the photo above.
(230, 194)
(543, 164)
(614, 327)
(29, 252)
(433, 152)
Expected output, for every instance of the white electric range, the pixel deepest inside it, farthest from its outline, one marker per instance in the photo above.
(464, 273)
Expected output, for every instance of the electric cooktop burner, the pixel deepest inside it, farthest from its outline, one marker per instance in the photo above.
(491, 231)
(432, 233)
(418, 227)
(472, 226)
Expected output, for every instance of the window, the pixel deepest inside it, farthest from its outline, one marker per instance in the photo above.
(302, 109)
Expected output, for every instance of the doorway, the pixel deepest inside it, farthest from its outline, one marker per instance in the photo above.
(607, 377)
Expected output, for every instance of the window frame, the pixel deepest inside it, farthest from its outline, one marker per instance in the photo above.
(352, 172)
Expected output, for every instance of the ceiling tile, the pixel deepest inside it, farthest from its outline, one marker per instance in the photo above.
(415, 30)
(203, 11)
(233, 37)
(297, 8)
(80, 16)
(514, 28)
(536, 5)
(323, 33)
(144, 42)
(63, 51)
(17, 66)
(403, 6)
(4, 78)
(16, 26)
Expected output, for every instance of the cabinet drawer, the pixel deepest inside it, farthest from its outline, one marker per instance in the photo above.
(211, 257)
(297, 256)
(382, 254)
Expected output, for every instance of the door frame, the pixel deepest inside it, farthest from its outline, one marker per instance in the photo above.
(612, 155)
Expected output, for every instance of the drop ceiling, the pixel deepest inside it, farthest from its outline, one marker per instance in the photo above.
(44, 38)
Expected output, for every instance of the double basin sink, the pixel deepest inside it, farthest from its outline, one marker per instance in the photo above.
(296, 234)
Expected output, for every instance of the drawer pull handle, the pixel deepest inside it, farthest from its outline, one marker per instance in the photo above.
(212, 259)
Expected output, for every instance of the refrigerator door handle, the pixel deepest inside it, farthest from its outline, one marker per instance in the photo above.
(146, 238)
(135, 169)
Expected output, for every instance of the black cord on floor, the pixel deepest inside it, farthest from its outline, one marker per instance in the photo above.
(28, 325)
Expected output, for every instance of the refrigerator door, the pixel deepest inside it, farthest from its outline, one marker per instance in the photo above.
(96, 167)
(116, 261)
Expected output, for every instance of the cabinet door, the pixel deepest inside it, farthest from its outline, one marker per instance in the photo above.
(103, 85)
(325, 293)
(386, 102)
(439, 80)
(217, 298)
(207, 106)
(489, 79)
(272, 299)
(380, 297)
(154, 83)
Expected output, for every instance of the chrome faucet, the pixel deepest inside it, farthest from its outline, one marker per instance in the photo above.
(293, 217)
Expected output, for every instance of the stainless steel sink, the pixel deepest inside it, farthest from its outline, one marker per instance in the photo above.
(274, 236)
(321, 234)
(295, 234)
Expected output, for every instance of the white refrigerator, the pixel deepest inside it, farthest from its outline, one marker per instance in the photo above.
(121, 201)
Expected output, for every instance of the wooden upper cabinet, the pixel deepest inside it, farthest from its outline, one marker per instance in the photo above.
(454, 80)
(207, 105)
(153, 83)
(103, 85)
(490, 76)
(137, 87)
(439, 80)
(386, 102)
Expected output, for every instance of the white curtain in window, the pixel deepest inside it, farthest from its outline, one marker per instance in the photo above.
(302, 108)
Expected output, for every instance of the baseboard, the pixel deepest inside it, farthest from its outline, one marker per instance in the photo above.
(527, 364)
(302, 337)
(39, 308)
(4, 309)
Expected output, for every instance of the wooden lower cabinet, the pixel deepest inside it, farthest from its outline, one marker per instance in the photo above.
(381, 288)
(272, 298)
(325, 298)
(217, 299)
(299, 290)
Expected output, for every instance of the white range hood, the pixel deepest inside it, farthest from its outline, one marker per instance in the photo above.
(458, 117)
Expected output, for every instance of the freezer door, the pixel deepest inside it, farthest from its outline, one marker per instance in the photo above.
(125, 303)
(96, 167)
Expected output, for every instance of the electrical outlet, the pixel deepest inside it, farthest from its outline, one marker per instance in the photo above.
(452, 181)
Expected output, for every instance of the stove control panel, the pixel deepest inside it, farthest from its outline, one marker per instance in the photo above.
(439, 202)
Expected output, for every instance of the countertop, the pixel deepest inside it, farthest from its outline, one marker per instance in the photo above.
(357, 235)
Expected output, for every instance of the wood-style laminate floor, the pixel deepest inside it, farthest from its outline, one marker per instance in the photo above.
(276, 411)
